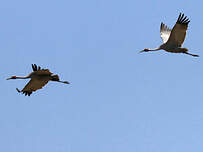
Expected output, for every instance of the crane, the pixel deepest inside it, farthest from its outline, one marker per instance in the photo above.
(173, 39)
(39, 77)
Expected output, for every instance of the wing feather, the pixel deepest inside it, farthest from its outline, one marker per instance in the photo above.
(37, 68)
(164, 32)
(39, 71)
(178, 32)
(43, 72)
(34, 84)
(34, 67)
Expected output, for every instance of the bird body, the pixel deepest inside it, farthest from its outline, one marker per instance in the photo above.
(173, 39)
(39, 77)
(172, 48)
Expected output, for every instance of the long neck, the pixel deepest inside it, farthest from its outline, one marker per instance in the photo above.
(154, 49)
(22, 77)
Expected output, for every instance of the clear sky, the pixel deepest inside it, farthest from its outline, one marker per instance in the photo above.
(118, 100)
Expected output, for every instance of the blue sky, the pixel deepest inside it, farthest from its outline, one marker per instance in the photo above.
(118, 100)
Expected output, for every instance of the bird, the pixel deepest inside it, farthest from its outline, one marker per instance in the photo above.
(173, 39)
(39, 77)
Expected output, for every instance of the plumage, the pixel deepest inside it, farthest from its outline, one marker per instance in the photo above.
(173, 39)
(164, 32)
(39, 78)
(35, 84)
(178, 32)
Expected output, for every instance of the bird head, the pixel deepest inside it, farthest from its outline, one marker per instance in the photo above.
(13, 77)
(145, 50)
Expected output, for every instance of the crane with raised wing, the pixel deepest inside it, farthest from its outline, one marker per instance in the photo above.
(39, 77)
(173, 39)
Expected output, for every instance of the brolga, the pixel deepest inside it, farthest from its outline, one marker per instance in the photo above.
(173, 39)
(39, 77)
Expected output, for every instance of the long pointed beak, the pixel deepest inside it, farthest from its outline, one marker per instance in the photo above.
(8, 78)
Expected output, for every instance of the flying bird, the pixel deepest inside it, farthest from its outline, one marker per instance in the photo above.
(39, 77)
(173, 39)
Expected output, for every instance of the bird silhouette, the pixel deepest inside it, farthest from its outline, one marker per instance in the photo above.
(173, 39)
(39, 77)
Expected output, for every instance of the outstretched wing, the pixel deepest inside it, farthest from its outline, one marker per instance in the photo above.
(39, 71)
(164, 32)
(33, 85)
(178, 32)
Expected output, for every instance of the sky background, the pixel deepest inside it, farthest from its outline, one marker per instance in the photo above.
(118, 100)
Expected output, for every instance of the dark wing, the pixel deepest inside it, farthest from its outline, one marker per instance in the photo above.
(43, 72)
(178, 32)
(34, 84)
(164, 32)
(35, 67)
(39, 71)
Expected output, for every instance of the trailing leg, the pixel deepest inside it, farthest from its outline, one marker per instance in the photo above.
(195, 55)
